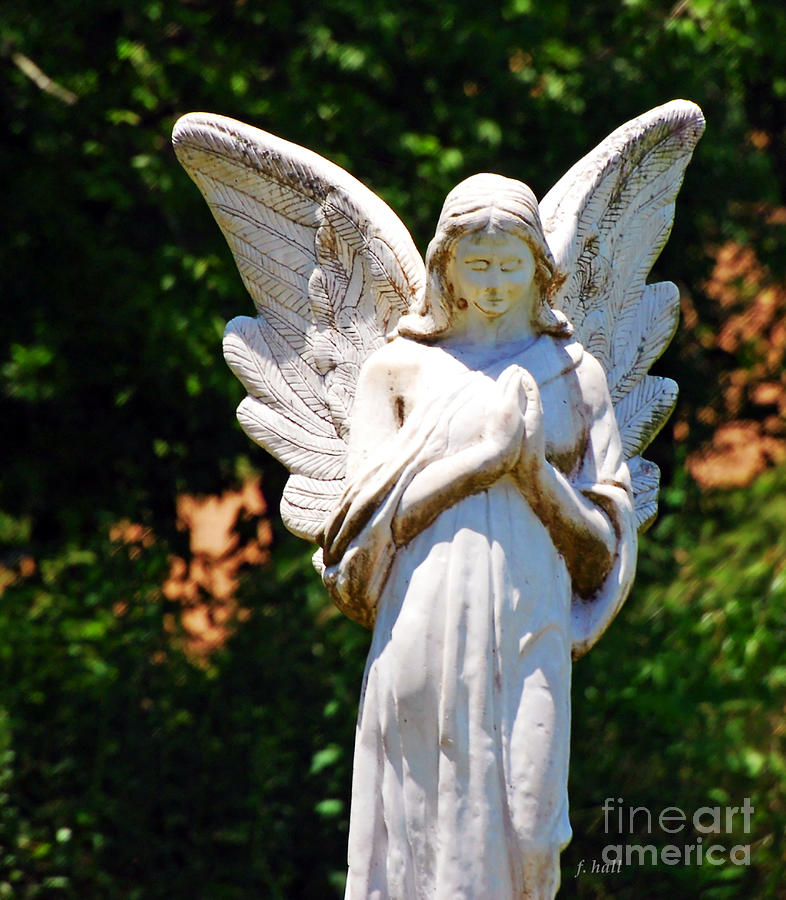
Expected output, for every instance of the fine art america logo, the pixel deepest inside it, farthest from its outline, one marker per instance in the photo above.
(706, 833)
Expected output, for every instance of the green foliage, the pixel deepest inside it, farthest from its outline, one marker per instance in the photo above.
(127, 770)
(684, 697)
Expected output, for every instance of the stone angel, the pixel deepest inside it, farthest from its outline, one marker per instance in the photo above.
(464, 439)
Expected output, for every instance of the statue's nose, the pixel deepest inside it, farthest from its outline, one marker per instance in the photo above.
(494, 276)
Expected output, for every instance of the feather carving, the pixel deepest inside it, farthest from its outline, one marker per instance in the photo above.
(330, 269)
(606, 221)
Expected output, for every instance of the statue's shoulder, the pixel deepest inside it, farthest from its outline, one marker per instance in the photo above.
(590, 374)
(395, 363)
(552, 358)
(399, 351)
(565, 360)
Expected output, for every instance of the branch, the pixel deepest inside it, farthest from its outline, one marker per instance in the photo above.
(39, 78)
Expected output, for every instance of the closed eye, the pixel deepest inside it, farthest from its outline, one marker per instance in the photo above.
(477, 265)
(510, 265)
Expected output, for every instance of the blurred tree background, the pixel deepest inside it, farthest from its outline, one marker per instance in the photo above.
(176, 698)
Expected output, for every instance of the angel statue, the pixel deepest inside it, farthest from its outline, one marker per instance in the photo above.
(464, 441)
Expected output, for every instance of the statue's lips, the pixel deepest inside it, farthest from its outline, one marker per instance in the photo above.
(488, 305)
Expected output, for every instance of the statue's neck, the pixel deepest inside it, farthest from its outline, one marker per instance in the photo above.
(472, 327)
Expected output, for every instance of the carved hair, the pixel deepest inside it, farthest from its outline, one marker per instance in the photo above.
(483, 203)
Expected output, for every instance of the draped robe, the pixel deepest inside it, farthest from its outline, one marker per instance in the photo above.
(461, 756)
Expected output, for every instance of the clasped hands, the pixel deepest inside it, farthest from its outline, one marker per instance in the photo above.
(494, 432)
(513, 430)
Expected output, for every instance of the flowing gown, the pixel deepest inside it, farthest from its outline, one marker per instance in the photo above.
(461, 757)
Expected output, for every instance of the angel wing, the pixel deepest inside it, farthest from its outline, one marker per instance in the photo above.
(330, 269)
(606, 221)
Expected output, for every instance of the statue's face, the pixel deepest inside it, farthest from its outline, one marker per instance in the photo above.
(494, 271)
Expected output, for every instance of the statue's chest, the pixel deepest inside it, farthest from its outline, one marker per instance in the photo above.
(565, 415)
